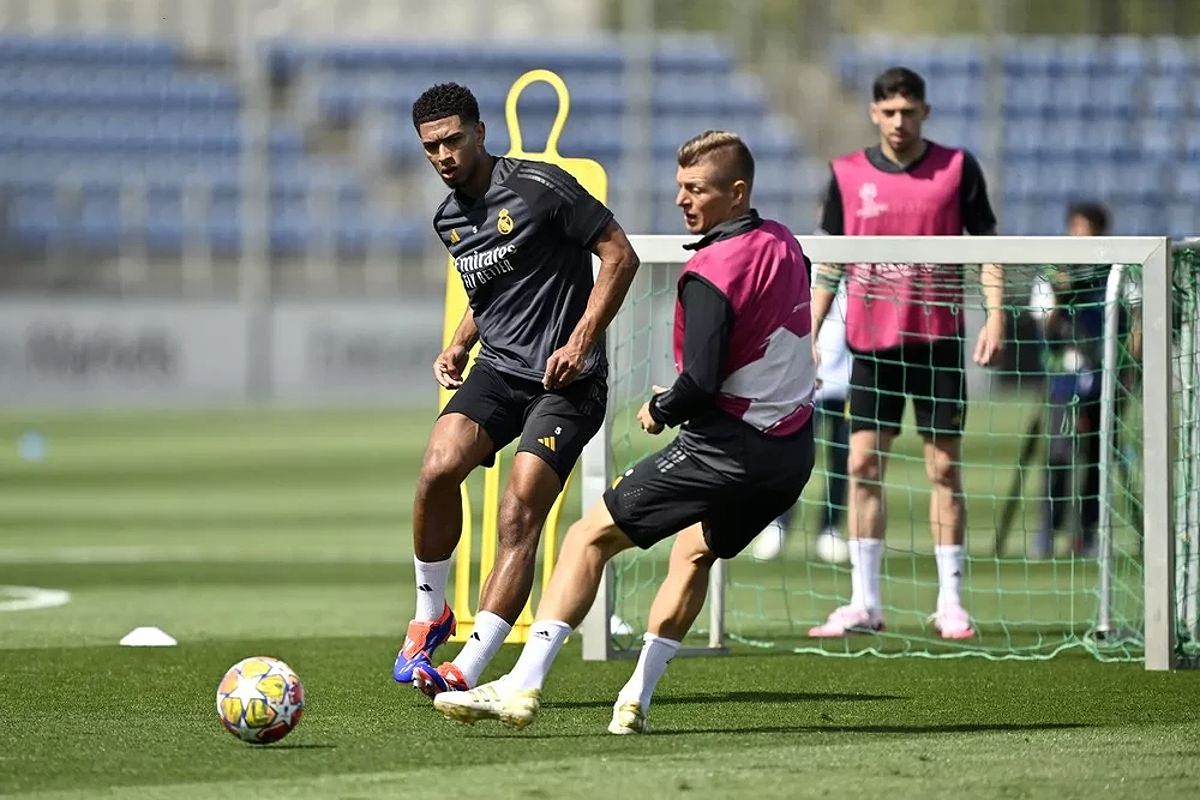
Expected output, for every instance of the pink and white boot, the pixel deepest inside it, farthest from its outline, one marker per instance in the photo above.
(846, 620)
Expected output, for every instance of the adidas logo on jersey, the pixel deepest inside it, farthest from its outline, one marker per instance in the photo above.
(549, 442)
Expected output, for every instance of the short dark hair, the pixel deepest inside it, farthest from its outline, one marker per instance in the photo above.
(735, 160)
(445, 100)
(1095, 213)
(899, 81)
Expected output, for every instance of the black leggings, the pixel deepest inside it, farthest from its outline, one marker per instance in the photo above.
(1073, 443)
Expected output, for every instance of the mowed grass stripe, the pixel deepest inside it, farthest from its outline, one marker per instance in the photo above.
(145, 719)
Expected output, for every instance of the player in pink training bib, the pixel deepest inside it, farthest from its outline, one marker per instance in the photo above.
(904, 325)
(742, 401)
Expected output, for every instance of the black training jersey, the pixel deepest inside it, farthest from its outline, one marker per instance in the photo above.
(523, 251)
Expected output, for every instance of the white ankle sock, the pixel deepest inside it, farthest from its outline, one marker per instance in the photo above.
(546, 638)
(949, 566)
(656, 653)
(489, 632)
(866, 556)
(431, 588)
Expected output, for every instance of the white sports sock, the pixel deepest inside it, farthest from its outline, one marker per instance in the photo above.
(949, 566)
(431, 588)
(656, 653)
(546, 638)
(866, 556)
(489, 633)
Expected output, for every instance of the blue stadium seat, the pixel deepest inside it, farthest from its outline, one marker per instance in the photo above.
(1124, 55)
(958, 56)
(36, 75)
(1187, 183)
(847, 60)
(781, 176)
(1159, 138)
(1029, 95)
(1166, 97)
(1071, 94)
(668, 101)
(1077, 55)
(1022, 137)
(1172, 57)
(286, 58)
(1021, 179)
(1017, 217)
(132, 142)
(1115, 94)
(1181, 220)
(957, 93)
(1139, 218)
(1032, 56)
(956, 132)
(689, 55)
(193, 94)
(1032, 218)
(94, 50)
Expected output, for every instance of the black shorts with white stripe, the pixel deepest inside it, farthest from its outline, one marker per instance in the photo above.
(733, 493)
(553, 425)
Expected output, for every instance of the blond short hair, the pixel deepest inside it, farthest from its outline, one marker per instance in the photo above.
(725, 149)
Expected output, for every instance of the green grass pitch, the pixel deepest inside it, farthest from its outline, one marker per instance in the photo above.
(286, 534)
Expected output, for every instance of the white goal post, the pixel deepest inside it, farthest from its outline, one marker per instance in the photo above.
(1154, 256)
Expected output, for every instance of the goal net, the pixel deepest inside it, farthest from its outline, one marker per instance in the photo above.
(1070, 510)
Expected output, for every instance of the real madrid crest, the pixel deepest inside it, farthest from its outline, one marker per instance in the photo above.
(504, 222)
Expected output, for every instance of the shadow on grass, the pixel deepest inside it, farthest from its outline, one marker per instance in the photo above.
(961, 727)
(741, 697)
(982, 727)
(300, 746)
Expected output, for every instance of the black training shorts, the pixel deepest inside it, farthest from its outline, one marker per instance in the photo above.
(554, 424)
(930, 373)
(733, 479)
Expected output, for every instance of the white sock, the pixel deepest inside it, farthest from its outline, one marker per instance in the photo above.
(546, 638)
(431, 588)
(488, 634)
(949, 567)
(657, 652)
(866, 556)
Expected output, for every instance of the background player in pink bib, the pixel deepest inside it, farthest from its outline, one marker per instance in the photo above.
(904, 325)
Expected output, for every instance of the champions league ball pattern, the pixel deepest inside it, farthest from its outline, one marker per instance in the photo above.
(260, 700)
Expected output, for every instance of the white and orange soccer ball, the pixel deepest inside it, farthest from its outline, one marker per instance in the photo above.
(260, 700)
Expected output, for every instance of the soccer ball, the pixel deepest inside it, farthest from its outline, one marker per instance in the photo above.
(260, 700)
(832, 548)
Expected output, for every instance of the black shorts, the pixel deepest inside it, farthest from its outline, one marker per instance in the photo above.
(735, 495)
(931, 374)
(554, 425)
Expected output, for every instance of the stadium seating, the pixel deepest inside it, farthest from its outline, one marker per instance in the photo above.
(110, 142)
(1084, 117)
(348, 83)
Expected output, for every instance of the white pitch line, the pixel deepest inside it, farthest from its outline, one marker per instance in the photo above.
(148, 555)
(29, 598)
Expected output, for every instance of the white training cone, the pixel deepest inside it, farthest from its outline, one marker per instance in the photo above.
(148, 637)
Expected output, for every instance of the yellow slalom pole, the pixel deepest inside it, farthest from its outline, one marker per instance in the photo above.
(462, 570)
(490, 529)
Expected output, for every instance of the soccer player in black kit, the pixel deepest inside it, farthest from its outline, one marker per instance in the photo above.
(522, 234)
